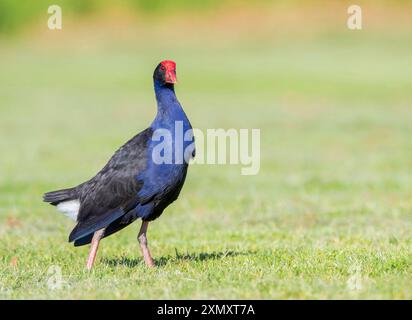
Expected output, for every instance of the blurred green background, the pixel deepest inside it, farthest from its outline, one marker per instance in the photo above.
(329, 214)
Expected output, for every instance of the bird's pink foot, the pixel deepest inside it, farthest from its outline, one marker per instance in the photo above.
(143, 245)
(93, 249)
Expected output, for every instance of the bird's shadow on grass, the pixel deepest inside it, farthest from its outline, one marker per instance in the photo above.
(162, 261)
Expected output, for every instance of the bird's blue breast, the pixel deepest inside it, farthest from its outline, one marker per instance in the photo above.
(170, 132)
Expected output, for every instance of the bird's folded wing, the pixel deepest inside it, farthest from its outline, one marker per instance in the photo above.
(113, 191)
(95, 223)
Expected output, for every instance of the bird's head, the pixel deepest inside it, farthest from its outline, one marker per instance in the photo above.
(165, 72)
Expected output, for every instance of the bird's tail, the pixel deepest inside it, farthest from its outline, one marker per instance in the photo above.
(55, 197)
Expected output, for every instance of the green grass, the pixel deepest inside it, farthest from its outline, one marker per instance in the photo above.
(331, 206)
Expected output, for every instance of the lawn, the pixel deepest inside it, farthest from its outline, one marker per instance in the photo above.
(328, 216)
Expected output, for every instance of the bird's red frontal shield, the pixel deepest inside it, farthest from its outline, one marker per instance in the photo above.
(170, 73)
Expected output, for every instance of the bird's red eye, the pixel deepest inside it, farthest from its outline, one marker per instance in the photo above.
(162, 68)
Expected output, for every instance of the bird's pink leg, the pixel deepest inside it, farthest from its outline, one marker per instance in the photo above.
(143, 244)
(93, 249)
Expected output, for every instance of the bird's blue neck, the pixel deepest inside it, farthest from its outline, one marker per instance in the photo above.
(168, 107)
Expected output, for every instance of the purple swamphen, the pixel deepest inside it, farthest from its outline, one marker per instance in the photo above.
(133, 184)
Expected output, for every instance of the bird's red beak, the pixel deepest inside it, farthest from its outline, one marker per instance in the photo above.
(170, 76)
(170, 73)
